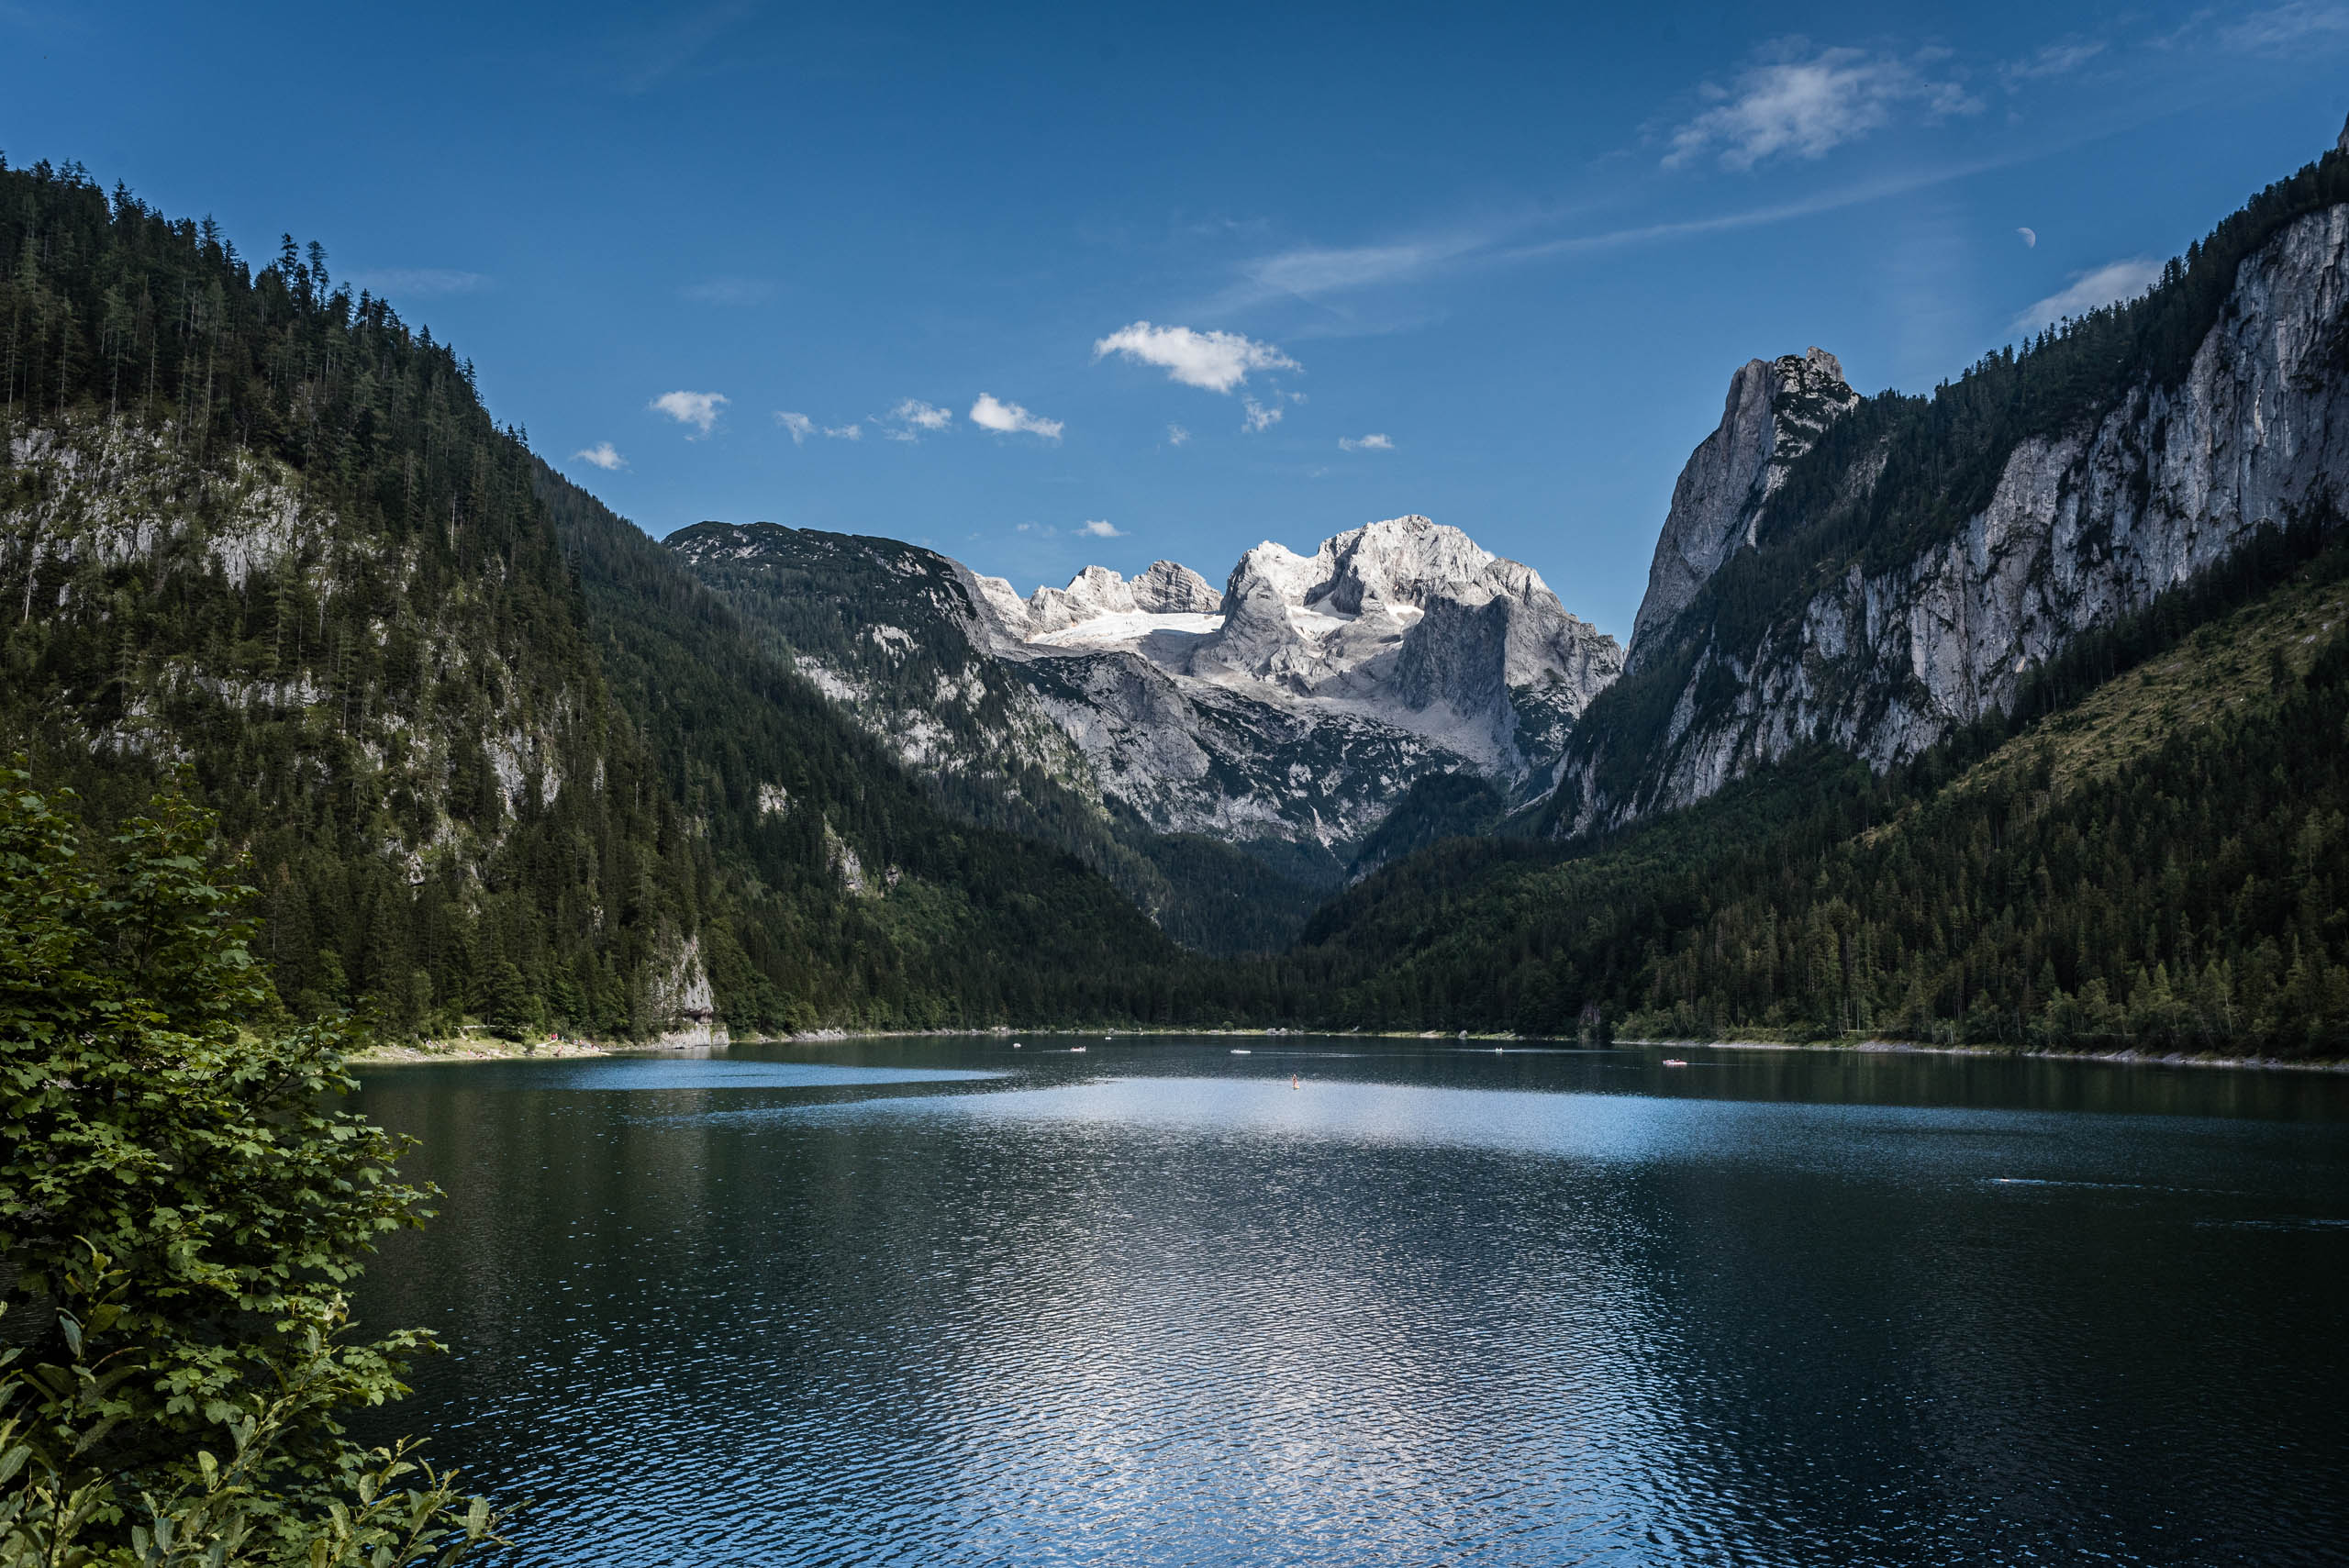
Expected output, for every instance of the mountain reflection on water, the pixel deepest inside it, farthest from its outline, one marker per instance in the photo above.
(940, 1301)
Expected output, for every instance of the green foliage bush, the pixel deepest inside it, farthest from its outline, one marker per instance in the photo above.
(181, 1209)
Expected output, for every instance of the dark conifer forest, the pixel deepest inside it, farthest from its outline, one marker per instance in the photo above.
(494, 757)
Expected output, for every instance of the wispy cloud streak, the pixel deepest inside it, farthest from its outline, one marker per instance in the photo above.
(1805, 106)
(2090, 291)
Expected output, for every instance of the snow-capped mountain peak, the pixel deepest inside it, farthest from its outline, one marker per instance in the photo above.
(1406, 622)
(1296, 707)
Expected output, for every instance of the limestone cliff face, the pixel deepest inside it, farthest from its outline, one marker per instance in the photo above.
(2082, 527)
(94, 511)
(1775, 411)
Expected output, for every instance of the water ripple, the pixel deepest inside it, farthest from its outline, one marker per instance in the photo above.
(1090, 1315)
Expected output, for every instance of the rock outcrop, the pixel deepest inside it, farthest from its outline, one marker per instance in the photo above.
(1775, 411)
(1168, 589)
(1096, 590)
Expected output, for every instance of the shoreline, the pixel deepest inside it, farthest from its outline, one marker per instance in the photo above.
(2111, 1058)
(490, 1050)
(433, 1051)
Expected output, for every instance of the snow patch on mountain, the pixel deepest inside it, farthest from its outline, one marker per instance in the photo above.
(1406, 623)
(1297, 705)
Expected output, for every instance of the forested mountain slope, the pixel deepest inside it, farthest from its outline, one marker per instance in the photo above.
(1903, 569)
(2156, 858)
(844, 894)
(2014, 715)
(256, 526)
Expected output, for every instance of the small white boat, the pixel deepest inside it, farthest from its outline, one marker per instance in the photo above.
(1015, 1045)
(1241, 1050)
(1076, 1050)
(1674, 1061)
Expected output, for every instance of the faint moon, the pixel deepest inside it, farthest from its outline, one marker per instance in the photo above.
(2029, 238)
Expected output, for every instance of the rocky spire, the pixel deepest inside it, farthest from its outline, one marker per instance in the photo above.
(1096, 590)
(1775, 411)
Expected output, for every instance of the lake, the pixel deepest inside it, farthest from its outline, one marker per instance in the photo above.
(940, 1301)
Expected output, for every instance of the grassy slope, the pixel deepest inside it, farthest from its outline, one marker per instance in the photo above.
(2215, 676)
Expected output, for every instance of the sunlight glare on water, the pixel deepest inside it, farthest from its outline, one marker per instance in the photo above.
(1156, 1306)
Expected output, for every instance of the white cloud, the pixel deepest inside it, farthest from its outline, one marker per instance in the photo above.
(698, 409)
(2054, 60)
(1176, 436)
(1259, 417)
(1312, 271)
(603, 455)
(1217, 361)
(2114, 280)
(2299, 24)
(1370, 443)
(1807, 106)
(1097, 529)
(911, 417)
(801, 428)
(419, 281)
(922, 416)
(1006, 418)
(2029, 238)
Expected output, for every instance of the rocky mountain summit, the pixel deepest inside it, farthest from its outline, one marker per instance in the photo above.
(1776, 411)
(1405, 622)
(1875, 576)
(1289, 713)
(1165, 589)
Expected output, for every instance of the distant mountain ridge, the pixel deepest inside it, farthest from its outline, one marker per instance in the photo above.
(1287, 714)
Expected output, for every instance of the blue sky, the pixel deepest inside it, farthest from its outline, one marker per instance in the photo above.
(1105, 284)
